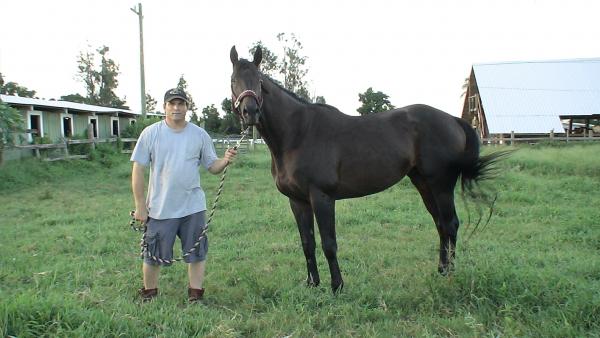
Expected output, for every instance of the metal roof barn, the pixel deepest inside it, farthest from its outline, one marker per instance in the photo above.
(531, 97)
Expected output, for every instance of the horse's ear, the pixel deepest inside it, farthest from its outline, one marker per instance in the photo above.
(233, 55)
(257, 56)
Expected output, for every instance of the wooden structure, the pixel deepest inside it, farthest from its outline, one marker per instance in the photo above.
(59, 122)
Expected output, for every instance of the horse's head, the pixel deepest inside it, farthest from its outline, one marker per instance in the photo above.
(246, 87)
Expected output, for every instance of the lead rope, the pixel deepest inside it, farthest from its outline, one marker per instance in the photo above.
(141, 226)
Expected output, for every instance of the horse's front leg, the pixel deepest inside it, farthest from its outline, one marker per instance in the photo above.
(324, 208)
(304, 218)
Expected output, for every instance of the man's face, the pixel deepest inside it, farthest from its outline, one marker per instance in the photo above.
(175, 109)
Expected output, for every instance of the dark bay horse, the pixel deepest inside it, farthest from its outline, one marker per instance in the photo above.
(320, 155)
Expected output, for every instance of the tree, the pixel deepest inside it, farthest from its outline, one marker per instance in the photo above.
(320, 99)
(99, 84)
(290, 70)
(230, 124)
(373, 102)
(87, 75)
(269, 64)
(74, 98)
(150, 104)
(211, 118)
(109, 71)
(194, 119)
(13, 88)
(11, 123)
(465, 87)
(182, 84)
(293, 65)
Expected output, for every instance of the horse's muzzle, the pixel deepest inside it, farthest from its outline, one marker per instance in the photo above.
(251, 115)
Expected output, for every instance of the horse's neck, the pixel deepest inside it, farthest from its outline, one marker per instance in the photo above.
(283, 119)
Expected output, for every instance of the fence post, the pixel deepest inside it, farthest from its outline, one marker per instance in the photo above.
(512, 137)
(90, 134)
(568, 133)
(552, 134)
(66, 148)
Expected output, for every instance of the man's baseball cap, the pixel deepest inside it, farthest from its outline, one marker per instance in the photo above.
(176, 93)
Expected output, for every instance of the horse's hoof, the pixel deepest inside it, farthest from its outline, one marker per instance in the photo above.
(445, 270)
(311, 283)
(337, 288)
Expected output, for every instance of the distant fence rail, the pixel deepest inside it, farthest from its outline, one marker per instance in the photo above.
(64, 146)
(564, 137)
(223, 143)
(128, 144)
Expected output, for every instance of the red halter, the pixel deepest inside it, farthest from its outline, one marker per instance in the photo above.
(236, 101)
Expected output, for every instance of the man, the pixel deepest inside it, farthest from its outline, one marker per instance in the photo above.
(176, 205)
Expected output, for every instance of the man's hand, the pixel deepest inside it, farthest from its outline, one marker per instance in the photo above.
(141, 214)
(221, 163)
(230, 155)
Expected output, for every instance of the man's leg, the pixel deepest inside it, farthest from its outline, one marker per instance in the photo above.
(151, 273)
(191, 242)
(159, 240)
(196, 274)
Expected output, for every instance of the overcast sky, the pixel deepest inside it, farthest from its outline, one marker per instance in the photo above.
(414, 51)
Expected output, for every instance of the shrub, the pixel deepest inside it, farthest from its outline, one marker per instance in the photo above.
(134, 130)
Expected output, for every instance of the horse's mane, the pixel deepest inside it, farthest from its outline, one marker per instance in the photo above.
(287, 91)
(294, 95)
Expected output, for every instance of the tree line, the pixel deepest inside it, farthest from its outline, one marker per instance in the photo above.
(99, 75)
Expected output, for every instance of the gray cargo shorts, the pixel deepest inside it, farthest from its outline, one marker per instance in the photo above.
(160, 238)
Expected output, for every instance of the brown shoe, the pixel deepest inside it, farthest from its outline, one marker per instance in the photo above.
(148, 294)
(195, 295)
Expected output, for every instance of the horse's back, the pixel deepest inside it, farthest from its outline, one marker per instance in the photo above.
(430, 139)
(357, 156)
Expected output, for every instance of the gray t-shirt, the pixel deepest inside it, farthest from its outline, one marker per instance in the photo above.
(174, 157)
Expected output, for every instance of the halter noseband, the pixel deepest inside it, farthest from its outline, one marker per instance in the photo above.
(237, 101)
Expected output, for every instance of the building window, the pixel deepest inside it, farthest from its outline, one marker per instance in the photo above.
(473, 103)
(114, 126)
(35, 125)
(66, 125)
(94, 122)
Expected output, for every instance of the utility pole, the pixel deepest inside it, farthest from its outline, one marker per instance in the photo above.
(138, 11)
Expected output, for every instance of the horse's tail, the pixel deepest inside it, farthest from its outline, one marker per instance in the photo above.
(475, 169)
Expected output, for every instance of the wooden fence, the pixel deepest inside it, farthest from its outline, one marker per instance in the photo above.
(224, 143)
(247, 145)
(128, 145)
(514, 139)
(64, 148)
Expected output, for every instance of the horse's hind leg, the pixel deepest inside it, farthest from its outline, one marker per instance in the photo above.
(305, 220)
(448, 223)
(426, 195)
(438, 197)
(324, 209)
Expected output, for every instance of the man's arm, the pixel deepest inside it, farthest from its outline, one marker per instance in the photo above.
(137, 185)
(221, 163)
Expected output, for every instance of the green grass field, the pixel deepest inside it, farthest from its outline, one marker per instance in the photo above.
(69, 263)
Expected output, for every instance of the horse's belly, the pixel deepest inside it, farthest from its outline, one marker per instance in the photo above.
(289, 188)
(365, 186)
